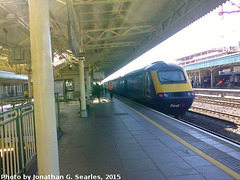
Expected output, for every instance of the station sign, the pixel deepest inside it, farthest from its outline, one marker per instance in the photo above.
(99, 75)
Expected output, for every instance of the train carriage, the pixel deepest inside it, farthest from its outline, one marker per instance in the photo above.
(162, 86)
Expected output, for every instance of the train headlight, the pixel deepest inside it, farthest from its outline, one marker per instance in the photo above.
(165, 94)
(191, 94)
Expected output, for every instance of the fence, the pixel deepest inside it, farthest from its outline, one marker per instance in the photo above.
(17, 143)
(57, 108)
(17, 137)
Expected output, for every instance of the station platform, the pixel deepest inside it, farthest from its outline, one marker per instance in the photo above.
(123, 140)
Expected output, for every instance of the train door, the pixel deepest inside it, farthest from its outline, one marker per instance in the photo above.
(25, 89)
(147, 86)
(69, 89)
(59, 88)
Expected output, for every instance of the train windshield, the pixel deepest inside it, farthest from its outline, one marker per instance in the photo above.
(168, 77)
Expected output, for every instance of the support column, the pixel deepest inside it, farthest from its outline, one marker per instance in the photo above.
(200, 77)
(212, 71)
(87, 83)
(90, 80)
(82, 88)
(44, 103)
(29, 84)
(212, 78)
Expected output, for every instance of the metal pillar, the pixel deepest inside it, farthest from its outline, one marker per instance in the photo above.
(200, 78)
(42, 72)
(82, 88)
(29, 85)
(212, 78)
(88, 85)
(90, 80)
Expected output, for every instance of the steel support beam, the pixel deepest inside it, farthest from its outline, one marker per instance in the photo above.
(111, 45)
(82, 88)
(83, 2)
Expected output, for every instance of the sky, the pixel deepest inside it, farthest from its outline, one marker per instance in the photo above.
(210, 31)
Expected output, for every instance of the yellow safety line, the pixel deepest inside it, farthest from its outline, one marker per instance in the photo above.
(215, 162)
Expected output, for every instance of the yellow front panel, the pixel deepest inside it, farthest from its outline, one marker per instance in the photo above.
(178, 87)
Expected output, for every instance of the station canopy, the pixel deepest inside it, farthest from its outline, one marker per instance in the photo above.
(108, 33)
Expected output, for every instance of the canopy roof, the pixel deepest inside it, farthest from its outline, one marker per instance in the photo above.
(109, 33)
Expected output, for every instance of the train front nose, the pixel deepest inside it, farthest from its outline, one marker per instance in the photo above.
(175, 103)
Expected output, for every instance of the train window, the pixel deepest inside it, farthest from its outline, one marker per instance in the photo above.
(171, 76)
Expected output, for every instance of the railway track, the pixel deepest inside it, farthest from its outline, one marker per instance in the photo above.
(212, 125)
(216, 114)
(219, 107)
(219, 101)
(219, 98)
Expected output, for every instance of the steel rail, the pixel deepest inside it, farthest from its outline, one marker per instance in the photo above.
(218, 98)
(218, 102)
(216, 114)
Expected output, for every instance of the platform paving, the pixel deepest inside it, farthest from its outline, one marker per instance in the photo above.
(111, 141)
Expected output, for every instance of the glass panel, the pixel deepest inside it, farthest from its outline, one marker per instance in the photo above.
(69, 85)
(171, 76)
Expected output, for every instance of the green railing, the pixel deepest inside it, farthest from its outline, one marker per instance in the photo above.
(17, 136)
(17, 140)
(57, 112)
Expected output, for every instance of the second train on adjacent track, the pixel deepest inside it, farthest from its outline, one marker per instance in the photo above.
(161, 86)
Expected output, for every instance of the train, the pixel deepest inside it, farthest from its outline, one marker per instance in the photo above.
(25, 88)
(161, 86)
(11, 85)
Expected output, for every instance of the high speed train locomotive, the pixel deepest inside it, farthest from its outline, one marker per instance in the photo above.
(162, 86)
